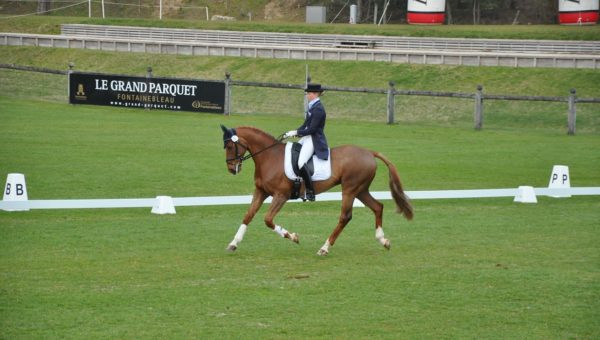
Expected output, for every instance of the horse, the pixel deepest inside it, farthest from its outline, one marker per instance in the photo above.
(351, 166)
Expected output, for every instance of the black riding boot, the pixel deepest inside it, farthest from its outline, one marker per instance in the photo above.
(309, 189)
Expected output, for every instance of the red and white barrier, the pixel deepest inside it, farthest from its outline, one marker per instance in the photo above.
(578, 12)
(426, 12)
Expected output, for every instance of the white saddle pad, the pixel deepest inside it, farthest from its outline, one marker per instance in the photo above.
(322, 168)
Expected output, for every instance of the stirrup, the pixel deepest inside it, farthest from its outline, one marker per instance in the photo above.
(296, 190)
(309, 195)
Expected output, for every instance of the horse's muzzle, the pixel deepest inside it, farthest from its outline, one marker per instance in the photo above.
(235, 169)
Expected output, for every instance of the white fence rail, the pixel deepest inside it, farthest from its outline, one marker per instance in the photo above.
(324, 197)
(334, 40)
(410, 56)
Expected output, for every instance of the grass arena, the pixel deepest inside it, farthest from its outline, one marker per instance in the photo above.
(463, 268)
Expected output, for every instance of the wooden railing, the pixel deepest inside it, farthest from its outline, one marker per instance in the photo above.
(479, 97)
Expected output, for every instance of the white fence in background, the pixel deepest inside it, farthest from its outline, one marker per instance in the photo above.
(333, 40)
(343, 53)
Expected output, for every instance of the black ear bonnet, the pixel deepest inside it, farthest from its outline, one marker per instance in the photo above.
(228, 135)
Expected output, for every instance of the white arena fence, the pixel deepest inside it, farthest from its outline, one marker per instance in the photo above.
(246, 199)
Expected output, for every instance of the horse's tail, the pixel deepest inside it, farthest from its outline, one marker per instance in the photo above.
(402, 202)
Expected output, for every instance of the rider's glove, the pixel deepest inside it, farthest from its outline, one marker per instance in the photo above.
(291, 133)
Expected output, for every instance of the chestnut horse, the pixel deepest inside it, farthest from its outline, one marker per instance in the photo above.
(351, 166)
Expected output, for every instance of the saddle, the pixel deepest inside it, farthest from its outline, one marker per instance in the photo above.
(318, 169)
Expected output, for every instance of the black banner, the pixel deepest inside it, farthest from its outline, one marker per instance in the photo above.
(154, 93)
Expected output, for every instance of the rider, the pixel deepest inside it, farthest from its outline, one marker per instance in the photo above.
(313, 137)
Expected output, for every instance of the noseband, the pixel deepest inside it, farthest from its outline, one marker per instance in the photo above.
(238, 157)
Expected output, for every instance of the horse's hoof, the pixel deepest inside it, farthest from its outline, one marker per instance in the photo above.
(231, 247)
(294, 237)
(322, 252)
(387, 245)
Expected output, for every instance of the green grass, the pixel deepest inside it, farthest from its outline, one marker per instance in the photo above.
(471, 268)
(51, 25)
(139, 153)
(461, 269)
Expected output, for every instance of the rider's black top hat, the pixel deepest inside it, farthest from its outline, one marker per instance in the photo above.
(313, 88)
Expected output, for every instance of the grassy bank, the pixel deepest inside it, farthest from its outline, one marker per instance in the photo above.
(363, 107)
(498, 80)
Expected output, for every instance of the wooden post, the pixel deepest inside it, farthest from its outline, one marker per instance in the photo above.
(375, 15)
(71, 65)
(148, 77)
(390, 103)
(478, 115)
(227, 108)
(571, 119)
(307, 80)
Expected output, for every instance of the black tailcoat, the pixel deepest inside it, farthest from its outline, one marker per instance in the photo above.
(314, 125)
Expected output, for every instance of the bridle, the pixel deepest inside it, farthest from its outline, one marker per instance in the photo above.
(239, 158)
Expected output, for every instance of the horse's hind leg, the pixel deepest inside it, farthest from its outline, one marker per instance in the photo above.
(345, 217)
(377, 209)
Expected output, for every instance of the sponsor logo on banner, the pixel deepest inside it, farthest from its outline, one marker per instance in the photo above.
(140, 92)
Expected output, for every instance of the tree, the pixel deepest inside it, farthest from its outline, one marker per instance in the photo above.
(501, 11)
(44, 6)
(476, 12)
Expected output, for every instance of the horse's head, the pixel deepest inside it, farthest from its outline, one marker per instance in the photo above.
(234, 150)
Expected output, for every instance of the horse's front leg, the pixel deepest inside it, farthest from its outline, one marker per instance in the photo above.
(257, 200)
(276, 205)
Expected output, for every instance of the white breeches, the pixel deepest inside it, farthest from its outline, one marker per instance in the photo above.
(307, 150)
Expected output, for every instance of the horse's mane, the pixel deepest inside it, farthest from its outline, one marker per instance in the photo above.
(258, 131)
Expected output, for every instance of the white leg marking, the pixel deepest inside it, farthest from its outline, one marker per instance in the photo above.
(280, 231)
(381, 238)
(324, 249)
(379, 235)
(239, 236)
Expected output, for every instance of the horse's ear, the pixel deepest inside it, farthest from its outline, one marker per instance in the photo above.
(223, 128)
